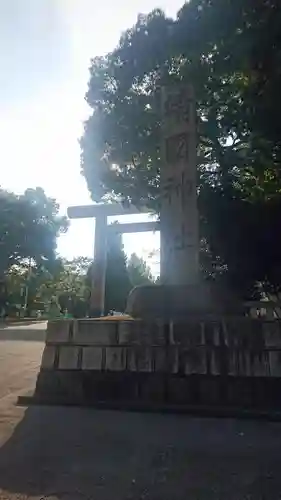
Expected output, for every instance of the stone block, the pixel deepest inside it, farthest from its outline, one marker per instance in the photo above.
(211, 332)
(58, 331)
(272, 333)
(152, 388)
(59, 387)
(152, 333)
(260, 365)
(160, 360)
(275, 363)
(132, 359)
(93, 332)
(188, 333)
(109, 385)
(182, 301)
(239, 363)
(129, 332)
(141, 332)
(173, 359)
(243, 334)
(209, 390)
(144, 359)
(48, 358)
(193, 361)
(179, 390)
(92, 358)
(68, 358)
(115, 358)
(238, 392)
(215, 364)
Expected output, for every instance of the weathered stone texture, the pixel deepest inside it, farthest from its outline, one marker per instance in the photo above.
(92, 358)
(115, 358)
(68, 358)
(234, 362)
(48, 358)
(58, 331)
(91, 332)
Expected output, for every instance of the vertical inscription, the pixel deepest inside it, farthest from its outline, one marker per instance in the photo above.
(178, 104)
(180, 186)
(178, 216)
(177, 148)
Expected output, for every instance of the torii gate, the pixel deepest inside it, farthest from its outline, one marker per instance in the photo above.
(100, 212)
(178, 213)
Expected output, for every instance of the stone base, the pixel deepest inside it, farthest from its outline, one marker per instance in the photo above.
(232, 362)
(93, 388)
(182, 301)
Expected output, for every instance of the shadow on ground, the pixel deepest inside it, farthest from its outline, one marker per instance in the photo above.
(73, 454)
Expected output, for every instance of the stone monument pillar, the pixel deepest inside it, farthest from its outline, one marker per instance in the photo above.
(180, 293)
(178, 185)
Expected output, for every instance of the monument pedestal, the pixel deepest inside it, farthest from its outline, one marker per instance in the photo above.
(173, 302)
(201, 365)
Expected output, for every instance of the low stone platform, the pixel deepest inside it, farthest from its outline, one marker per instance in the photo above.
(234, 362)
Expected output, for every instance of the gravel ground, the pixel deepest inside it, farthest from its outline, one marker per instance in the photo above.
(59, 453)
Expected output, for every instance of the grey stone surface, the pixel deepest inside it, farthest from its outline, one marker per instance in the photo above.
(115, 358)
(58, 331)
(68, 358)
(275, 363)
(173, 360)
(178, 210)
(272, 334)
(177, 302)
(129, 331)
(91, 332)
(48, 358)
(160, 359)
(194, 361)
(144, 359)
(132, 359)
(142, 332)
(91, 358)
(227, 350)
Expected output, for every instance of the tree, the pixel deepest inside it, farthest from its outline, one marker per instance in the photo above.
(218, 47)
(117, 284)
(139, 272)
(29, 226)
(69, 285)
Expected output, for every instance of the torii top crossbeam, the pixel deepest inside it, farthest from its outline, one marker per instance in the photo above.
(110, 209)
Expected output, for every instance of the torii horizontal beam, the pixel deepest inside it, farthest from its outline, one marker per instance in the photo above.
(109, 209)
(134, 227)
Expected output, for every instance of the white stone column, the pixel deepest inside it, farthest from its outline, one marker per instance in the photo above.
(178, 184)
(99, 268)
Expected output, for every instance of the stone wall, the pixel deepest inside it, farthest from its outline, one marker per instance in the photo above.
(232, 362)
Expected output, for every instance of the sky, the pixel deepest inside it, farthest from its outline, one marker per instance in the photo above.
(45, 52)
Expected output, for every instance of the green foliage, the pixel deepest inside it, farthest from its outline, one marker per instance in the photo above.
(230, 52)
(69, 285)
(29, 226)
(117, 284)
(139, 272)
